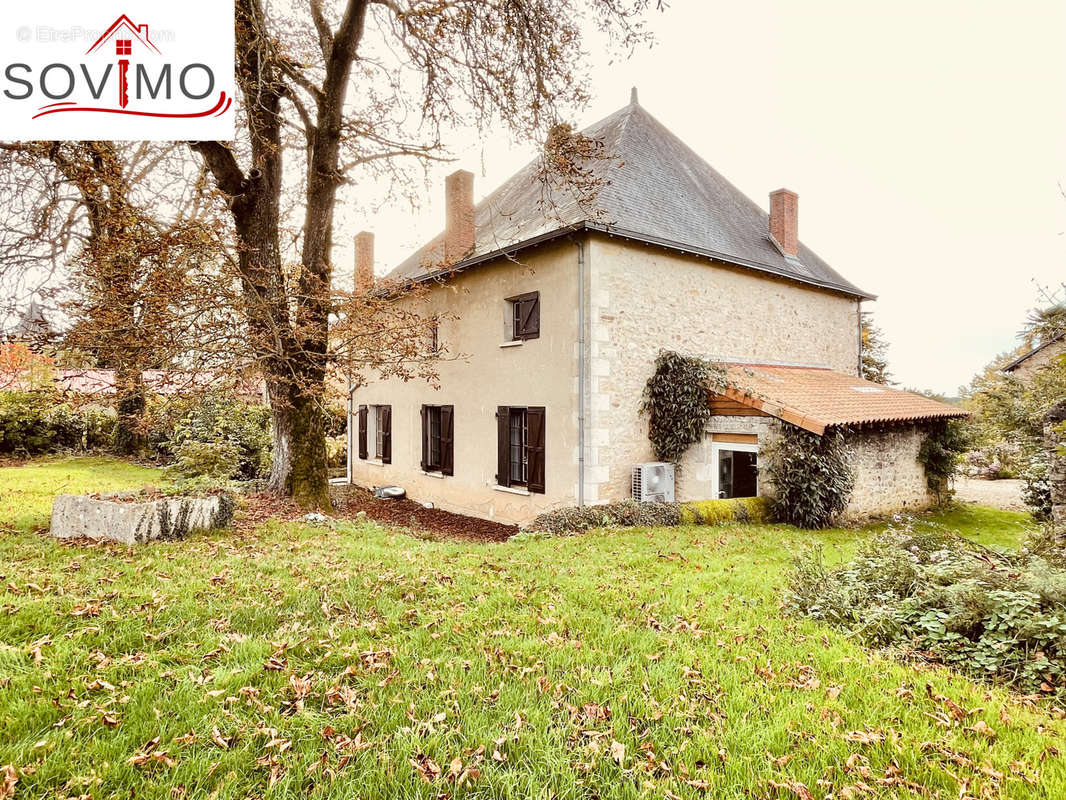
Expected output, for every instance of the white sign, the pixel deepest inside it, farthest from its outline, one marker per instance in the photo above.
(152, 69)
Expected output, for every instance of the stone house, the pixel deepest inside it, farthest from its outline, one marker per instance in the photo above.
(552, 308)
(1025, 365)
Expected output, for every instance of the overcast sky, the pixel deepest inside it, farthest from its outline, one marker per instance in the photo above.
(926, 140)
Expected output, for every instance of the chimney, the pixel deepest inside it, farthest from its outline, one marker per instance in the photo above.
(784, 221)
(364, 261)
(459, 213)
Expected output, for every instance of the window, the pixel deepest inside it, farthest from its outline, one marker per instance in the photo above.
(519, 435)
(433, 337)
(520, 447)
(375, 428)
(438, 453)
(525, 316)
(736, 470)
(123, 47)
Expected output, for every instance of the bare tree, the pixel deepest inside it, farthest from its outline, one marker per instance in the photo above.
(352, 88)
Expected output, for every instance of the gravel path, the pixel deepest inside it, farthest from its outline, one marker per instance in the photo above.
(1005, 494)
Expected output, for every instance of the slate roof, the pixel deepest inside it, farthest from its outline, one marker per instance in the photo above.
(654, 188)
(816, 398)
(1026, 356)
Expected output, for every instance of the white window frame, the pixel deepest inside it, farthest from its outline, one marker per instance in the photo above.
(716, 450)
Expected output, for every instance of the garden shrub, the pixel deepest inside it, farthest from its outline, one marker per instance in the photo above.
(1036, 487)
(33, 423)
(219, 435)
(941, 451)
(932, 594)
(715, 512)
(811, 475)
(627, 513)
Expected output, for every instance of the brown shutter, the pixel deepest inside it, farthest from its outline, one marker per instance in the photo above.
(386, 435)
(425, 437)
(362, 432)
(532, 318)
(535, 448)
(503, 446)
(447, 438)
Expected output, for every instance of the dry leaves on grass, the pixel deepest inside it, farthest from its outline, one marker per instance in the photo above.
(795, 787)
(9, 778)
(148, 755)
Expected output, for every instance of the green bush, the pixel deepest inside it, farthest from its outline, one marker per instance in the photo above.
(940, 454)
(715, 512)
(222, 439)
(929, 592)
(33, 423)
(1036, 487)
(811, 476)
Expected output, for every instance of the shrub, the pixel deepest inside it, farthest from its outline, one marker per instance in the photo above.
(715, 512)
(1036, 487)
(33, 423)
(627, 513)
(220, 434)
(940, 454)
(930, 593)
(811, 476)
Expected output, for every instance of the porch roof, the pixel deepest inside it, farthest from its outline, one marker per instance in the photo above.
(816, 398)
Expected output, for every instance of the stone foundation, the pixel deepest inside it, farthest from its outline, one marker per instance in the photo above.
(121, 518)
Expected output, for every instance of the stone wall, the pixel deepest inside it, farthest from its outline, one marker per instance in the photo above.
(888, 475)
(645, 299)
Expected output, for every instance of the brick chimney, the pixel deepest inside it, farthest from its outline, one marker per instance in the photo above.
(459, 213)
(784, 221)
(364, 261)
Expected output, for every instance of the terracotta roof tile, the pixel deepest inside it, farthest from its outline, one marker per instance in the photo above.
(815, 399)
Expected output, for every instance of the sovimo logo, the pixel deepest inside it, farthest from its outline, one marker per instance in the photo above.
(167, 75)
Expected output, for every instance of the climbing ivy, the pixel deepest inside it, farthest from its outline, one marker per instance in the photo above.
(812, 476)
(675, 400)
(940, 454)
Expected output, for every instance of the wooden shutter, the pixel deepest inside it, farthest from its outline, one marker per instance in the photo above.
(535, 448)
(503, 446)
(386, 434)
(447, 439)
(425, 437)
(362, 432)
(531, 318)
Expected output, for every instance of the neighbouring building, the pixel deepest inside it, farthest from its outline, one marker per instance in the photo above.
(552, 310)
(1026, 365)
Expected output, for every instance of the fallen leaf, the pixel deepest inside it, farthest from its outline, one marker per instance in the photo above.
(10, 778)
(797, 788)
(618, 752)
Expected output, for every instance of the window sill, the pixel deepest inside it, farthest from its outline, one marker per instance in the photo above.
(434, 474)
(513, 490)
(377, 462)
(515, 343)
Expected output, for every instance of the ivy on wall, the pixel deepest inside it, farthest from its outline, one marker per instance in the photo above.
(812, 476)
(675, 399)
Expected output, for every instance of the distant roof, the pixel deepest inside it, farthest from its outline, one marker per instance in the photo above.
(653, 188)
(1026, 356)
(32, 323)
(92, 381)
(816, 398)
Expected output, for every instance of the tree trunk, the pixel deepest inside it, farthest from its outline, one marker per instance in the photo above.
(299, 467)
(131, 401)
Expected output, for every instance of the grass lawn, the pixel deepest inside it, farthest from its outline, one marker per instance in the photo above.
(360, 662)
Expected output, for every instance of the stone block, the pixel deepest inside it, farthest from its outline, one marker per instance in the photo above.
(126, 519)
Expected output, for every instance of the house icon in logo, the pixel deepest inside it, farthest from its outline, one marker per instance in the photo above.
(124, 32)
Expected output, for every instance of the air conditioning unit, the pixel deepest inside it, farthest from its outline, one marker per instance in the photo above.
(653, 482)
